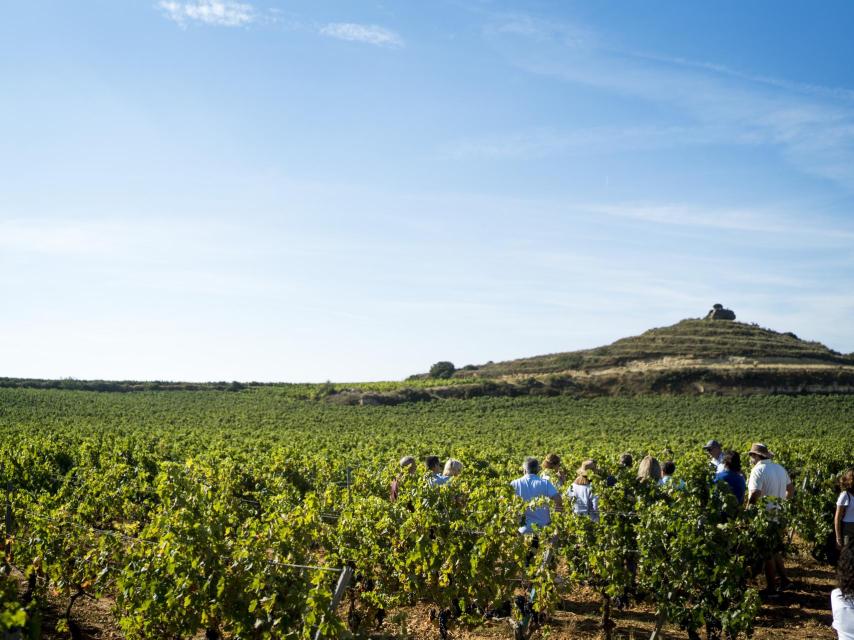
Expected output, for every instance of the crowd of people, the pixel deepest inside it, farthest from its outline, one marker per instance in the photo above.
(767, 479)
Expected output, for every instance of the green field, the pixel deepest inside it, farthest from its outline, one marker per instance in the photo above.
(187, 510)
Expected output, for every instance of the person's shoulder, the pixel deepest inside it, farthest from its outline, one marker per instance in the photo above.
(838, 600)
(844, 499)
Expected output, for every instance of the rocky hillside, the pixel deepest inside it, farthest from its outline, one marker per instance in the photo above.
(687, 342)
(691, 357)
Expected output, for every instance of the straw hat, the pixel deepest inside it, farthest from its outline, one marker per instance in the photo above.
(586, 466)
(759, 449)
(552, 460)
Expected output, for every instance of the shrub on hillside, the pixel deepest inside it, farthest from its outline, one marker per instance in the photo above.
(442, 369)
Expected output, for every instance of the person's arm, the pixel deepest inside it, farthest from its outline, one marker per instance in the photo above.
(790, 491)
(837, 524)
(753, 490)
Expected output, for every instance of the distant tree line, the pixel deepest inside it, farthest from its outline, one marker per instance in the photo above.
(121, 386)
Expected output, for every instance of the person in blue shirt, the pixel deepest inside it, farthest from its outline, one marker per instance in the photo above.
(530, 487)
(434, 467)
(732, 475)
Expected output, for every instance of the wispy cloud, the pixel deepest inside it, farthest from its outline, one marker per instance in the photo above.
(365, 33)
(541, 143)
(751, 220)
(811, 126)
(223, 13)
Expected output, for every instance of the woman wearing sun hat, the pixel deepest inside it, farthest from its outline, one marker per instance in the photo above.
(584, 501)
(553, 471)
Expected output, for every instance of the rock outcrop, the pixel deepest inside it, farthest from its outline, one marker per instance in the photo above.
(719, 313)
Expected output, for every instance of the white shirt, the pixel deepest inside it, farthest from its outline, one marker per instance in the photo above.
(529, 487)
(718, 463)
(846, 500)
(843, 615)
(770, 478)
(584, 502)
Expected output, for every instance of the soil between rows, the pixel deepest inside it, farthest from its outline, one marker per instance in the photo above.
(802, 613)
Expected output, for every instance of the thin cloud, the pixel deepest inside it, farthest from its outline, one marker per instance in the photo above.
(365, 33)
(811, 126)
(221, 13)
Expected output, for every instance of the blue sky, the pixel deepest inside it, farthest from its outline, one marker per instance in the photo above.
(301, 191)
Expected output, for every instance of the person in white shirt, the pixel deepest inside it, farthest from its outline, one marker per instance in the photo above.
(530, 487)
(771, 480)
(716, 455)
(584, 501)
(843, 522)
(842, 598)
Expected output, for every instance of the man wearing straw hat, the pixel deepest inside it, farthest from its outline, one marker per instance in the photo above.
(771, 480)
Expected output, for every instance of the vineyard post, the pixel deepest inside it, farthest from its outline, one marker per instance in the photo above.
(343, 582)
(8, 520)
(349, 476)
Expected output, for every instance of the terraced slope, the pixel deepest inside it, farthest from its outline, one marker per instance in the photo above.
(688, 341)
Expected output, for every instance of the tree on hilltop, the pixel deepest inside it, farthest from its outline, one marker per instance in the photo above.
(442, 369)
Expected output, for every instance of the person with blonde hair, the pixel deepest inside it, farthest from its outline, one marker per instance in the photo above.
(649, 470)
(452, 468)
(843, 521)
(584, 501)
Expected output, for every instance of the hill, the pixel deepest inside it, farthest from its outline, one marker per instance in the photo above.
(691, 357)
(697, 341)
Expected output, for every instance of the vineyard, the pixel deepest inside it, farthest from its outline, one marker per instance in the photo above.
(265, 512)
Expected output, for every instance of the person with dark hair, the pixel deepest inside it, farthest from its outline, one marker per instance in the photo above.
(434, 466)
(626, 462)
(667, 470)
(732, 475)
(842, 598)
(843, 521)
(530, 487)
